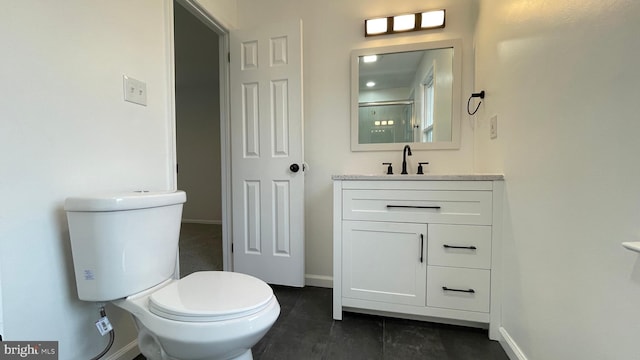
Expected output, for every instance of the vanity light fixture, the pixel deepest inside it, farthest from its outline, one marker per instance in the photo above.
(403, 23)
(383, 122)
(371, 84)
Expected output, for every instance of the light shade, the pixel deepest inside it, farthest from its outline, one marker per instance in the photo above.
(432, 19)
(425, 20)
(404, 22)
(376, 26)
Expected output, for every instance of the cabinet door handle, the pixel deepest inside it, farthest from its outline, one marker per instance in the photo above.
(413, 207)
(470, 291)
(458, 247)
(421, 248)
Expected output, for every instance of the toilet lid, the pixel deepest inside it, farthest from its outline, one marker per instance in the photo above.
(211, 296)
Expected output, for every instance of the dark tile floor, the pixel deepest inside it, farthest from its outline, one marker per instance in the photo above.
(305, 330)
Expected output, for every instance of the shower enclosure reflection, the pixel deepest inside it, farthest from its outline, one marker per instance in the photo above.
(385, 122)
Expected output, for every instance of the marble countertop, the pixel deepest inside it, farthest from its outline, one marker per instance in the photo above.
(441, 177)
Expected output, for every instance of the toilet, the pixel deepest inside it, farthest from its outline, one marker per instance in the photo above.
(124, 251)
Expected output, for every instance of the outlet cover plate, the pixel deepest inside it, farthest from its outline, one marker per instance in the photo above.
(493, 127)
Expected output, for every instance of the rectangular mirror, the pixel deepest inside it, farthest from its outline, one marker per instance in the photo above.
(406, 94)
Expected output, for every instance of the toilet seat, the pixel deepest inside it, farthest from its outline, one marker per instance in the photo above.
(210, 296)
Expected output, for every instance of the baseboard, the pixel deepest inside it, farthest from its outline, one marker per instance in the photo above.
(196, 221)
(127, 352)
(510, 347)
(318, 280)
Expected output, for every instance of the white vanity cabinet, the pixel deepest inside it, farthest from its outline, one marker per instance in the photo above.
(423, 246)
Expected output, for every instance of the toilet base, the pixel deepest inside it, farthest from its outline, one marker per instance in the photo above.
(246, 356)
(152, 350)
(160, 338)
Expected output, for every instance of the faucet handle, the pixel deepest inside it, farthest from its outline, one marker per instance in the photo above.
(420, 172)
(389, 169)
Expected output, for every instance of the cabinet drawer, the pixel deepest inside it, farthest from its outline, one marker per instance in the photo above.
(458, 288)
(466, 246)
(420, 206)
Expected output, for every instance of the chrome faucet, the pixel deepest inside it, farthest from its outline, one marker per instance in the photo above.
(406, 151)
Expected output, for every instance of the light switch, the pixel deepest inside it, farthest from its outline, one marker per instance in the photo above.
(493, 127)
(135, 91)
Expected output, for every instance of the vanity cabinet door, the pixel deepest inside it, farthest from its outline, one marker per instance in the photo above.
(384, 262)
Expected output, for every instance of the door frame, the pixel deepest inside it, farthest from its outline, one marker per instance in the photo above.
(215, 25)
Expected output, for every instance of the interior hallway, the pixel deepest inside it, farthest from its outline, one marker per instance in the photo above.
(200, 248)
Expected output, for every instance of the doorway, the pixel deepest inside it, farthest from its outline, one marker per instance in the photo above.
(198, 140)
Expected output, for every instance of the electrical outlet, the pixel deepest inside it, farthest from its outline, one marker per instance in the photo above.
(135, 91)
(493, 127)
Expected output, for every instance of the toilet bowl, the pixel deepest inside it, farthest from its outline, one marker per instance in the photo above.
(124, 249)
(206, 315)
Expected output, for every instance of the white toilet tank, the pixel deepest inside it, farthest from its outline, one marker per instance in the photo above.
(123, 243)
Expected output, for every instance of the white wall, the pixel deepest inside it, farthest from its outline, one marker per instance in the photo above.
(1, 318)
(331, 30)
(224, 11)
(65, 130)
(403, 93)
(198, 118)
(563, 79)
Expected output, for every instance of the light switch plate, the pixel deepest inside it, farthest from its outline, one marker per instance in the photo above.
(493, 127)
(135, 91)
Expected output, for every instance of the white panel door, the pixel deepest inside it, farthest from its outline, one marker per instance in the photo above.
(267, 153)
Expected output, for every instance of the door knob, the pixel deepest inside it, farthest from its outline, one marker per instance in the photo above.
(294, 168)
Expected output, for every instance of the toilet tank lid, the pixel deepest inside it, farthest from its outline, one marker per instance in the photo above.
(124, 201)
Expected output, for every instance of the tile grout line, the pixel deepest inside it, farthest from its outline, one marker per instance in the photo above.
(326, 349)
(384, 329)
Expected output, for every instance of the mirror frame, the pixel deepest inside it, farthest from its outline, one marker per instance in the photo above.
(456, 104)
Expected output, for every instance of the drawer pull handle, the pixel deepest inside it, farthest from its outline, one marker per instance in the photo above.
(470, 291)
(459, 247)
(421, 248)
(413, 207)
